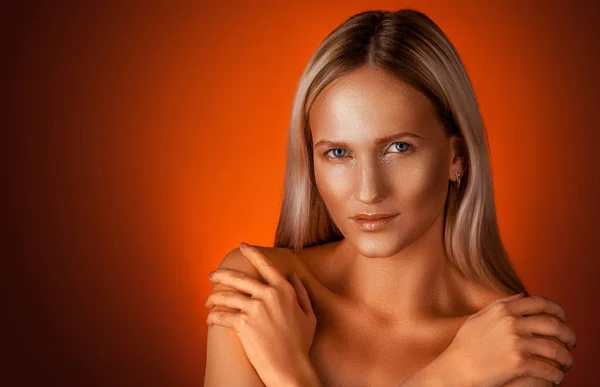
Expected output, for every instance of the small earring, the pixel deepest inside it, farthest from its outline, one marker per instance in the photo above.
(457, 179)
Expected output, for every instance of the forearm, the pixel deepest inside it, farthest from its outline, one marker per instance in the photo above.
(442, 372)
(304, 375)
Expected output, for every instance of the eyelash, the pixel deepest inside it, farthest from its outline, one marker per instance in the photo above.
(410, 149)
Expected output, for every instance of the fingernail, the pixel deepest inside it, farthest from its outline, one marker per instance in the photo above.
(243, 244)
(210, 274)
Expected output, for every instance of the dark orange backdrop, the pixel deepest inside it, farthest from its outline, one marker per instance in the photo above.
(143, 142)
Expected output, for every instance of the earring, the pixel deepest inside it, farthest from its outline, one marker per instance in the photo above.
(457, 179)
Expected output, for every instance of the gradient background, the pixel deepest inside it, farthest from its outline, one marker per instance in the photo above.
(142, 142)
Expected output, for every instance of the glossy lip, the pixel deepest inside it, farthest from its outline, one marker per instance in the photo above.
(374, 224)
(374, 216)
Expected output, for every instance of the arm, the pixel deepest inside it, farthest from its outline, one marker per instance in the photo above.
(444, 372)
(283, 301)
(505, 344)
(306, 377)
(441, 372)
(433, 376)
(226, 360)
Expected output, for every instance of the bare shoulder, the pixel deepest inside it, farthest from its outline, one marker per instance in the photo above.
(480, 296)
(226, 360)
(491, 295)
(280, 257)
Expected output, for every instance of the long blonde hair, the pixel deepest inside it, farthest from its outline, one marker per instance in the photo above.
(411, 47)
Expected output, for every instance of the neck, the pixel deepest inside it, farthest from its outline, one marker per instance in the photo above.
(418, 282)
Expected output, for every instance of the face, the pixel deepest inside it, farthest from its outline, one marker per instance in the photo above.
(379, 148)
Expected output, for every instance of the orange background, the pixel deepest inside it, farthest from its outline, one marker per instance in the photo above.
(143, 142)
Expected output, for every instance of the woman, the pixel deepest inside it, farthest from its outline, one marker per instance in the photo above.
(387, 267)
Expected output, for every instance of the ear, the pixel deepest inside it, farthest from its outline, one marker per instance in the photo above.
(457, 154)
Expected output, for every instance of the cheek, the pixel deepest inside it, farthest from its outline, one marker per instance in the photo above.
(420, 181)
(334, 184)
(421, 187)
(332, 180)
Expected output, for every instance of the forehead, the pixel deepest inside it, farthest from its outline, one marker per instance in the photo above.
(369, 103)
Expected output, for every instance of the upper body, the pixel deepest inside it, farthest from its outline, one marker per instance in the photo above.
(374, 132)
(355, 344)
(388, 301)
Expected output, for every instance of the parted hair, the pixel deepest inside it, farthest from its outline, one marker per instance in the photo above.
(410, 46)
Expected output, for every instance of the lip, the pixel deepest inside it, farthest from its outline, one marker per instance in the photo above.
(374, 216)
(374, 224)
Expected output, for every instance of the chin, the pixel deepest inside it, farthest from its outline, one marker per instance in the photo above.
(378, 245)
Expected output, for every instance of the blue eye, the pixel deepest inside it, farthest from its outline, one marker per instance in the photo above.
(407, 148)
(339, 153)
(338, 156)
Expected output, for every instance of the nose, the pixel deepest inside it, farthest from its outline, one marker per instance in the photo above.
(371, 184)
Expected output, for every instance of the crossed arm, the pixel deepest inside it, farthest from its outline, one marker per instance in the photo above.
(228, 365)
(226, 362)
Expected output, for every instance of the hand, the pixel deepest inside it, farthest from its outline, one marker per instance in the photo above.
(276, 323)
(497, 344)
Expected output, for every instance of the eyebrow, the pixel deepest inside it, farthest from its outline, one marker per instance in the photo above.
(376, 142)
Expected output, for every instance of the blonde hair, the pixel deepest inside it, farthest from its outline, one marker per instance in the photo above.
(410, 46)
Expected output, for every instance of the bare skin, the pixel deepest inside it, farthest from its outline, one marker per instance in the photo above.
(358, 345)
(395, 280)
(387, 302)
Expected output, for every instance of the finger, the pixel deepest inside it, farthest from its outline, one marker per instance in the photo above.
(303, 298)
(547, 349)
(540, 369)
(536, 304)
(549, 361)
(231, 300)
(226, 309)
(224, 319)
(502, 300)
(239, 281)
(265, 267)
(546, 325)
